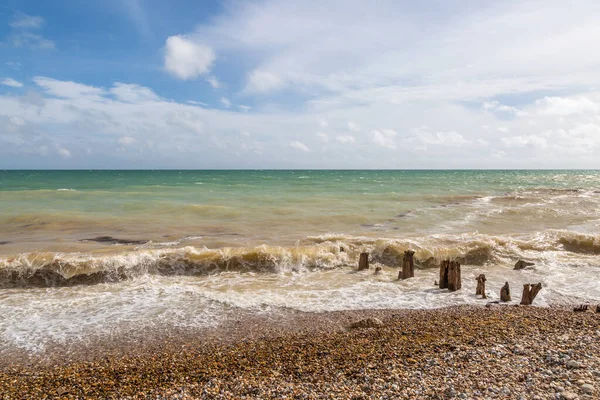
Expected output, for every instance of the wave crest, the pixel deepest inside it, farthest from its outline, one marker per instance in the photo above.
(319, 252)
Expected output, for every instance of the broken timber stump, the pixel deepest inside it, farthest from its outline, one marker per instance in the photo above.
(363, 261)
(505, 292)
(443, 284)
(481, 286)
(454, 280)
(408, 265)
(582, 308)
(529, 293)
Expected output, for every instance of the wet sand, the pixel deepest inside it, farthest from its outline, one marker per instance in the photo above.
(465, 352)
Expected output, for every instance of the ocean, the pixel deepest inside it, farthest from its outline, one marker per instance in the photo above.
(91, 252)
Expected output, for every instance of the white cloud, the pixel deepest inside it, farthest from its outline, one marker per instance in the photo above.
(226, 103)
(561, 106)
(523, 141)
(503, 129)
(214, 82)
(67, 89)
(25, 21)
(132, 93)
(244, 108)
(35, 125)
(323, 137)
(263, 81)
(126, 140)
(497, 107)
(11, 82)
(299, 146)
(64, 153)
(345, 139)
(197, 103)
(31, 40)
(186, 59)
(353, 126)
(451, 139)
(384, 138)
(22, 36)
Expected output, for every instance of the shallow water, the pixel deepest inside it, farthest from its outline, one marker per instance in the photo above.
(212, 241)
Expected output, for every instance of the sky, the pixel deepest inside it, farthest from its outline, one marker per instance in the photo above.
(299, 84)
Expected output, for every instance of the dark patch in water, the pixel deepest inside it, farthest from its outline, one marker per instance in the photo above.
(112, 240)
(5, 242)
(403, 215)
(36, 224)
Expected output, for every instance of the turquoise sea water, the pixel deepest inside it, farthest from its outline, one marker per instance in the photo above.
(52, 210)
(83, 251)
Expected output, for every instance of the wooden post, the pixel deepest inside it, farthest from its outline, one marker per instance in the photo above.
(598, 309)
(444, 274)
(363, 261)
(408, 265)
(505, 292)
(454, 281)
(481, 286)
(529, 293)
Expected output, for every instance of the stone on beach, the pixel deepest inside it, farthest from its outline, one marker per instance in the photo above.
(521, 264)
(463, 352)
(367, 323)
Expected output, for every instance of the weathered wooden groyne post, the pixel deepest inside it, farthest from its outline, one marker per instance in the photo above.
(450, 275)
(529, 293)
(454, 279)
(481, 286)
(505, 292)
(443, 282)
(363, 261)
(408, 265)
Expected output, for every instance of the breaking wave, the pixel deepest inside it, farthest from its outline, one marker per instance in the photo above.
(316, 252)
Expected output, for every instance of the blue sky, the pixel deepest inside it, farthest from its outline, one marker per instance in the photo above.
(288, 84)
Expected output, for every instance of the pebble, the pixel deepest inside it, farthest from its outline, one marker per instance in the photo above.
(568, 396)
(572, 364)
(587, 388)
(459, 352)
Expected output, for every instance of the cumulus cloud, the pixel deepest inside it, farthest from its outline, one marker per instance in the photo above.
(35, 125)
(345, 139)
(263, 81)
(132, 93)
(186, 59)
(64, 153)
(67, 89)
(299, 146)
(451, 139)
(561, 106)
(11, 83)
(384, 138)
(523, 141)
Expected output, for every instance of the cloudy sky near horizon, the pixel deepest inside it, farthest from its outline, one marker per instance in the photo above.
(290, 84)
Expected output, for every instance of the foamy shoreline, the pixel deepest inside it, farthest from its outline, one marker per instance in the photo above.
(463, 352)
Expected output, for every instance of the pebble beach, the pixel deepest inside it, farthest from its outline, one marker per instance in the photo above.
(465, 352)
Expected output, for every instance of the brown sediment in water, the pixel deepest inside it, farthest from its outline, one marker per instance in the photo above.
(464, 352)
